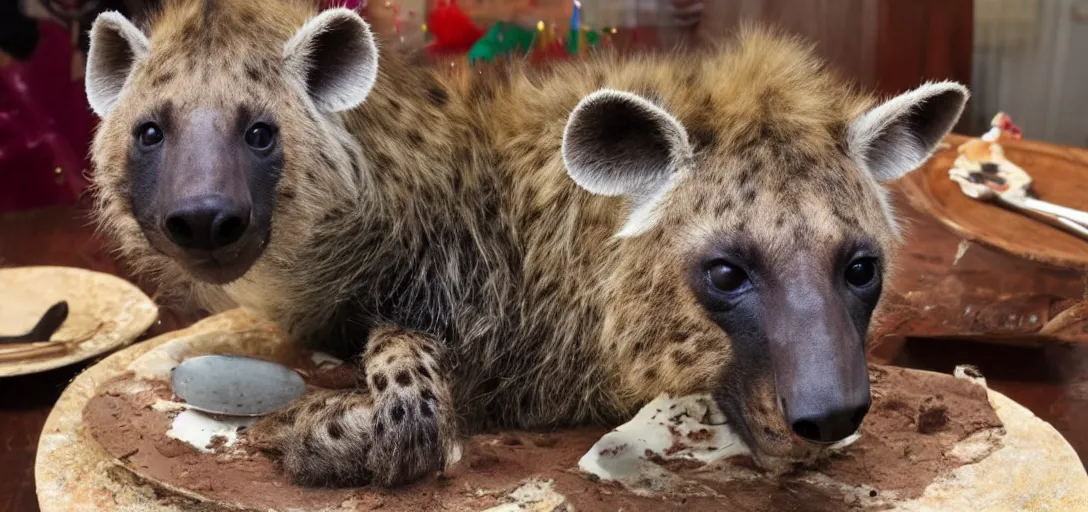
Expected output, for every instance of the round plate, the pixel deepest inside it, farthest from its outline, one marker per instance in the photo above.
(74, 472)
(1060, 176)
(105, 312)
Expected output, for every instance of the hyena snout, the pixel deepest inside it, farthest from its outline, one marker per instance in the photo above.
(207, 222)
(824, 409)
(797, 328)
(818, 359)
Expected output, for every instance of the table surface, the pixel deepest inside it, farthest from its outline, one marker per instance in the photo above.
(939, 280)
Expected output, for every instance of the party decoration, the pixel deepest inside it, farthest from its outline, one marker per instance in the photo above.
(548, 46)
(502, 39)
(575, 35)
(453, 31)
(453, 34)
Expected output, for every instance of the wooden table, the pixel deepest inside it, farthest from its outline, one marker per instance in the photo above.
(1050, 378)
(978, 293)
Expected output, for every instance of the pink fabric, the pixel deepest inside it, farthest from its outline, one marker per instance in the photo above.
(45, 125)
(355, 5)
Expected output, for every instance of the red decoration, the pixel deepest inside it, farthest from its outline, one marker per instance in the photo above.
(1008, 129)
(453, 30)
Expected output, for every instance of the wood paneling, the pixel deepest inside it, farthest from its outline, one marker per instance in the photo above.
(886, 45)
(836, 26)
(922, 40)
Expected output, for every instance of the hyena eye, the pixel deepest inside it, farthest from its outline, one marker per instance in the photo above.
(150, 134)
(259, 136)
(726, 277)
(861, 272)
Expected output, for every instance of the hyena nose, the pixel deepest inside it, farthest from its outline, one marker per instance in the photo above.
(828, 425)
(207, 223)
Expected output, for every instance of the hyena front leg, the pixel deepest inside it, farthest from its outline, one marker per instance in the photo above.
(415, 425)
(397, 425)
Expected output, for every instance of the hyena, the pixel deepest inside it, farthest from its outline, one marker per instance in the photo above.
(517, 248)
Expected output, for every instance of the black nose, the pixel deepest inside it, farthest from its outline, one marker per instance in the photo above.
(828, 426)
(207, 223)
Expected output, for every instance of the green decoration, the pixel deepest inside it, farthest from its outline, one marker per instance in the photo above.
(593, 38)
(501, 39)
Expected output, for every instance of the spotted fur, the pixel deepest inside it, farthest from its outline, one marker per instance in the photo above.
(401, 412)
(434, 229)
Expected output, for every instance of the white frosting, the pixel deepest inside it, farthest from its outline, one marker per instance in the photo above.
(689, 427)
(198, 429)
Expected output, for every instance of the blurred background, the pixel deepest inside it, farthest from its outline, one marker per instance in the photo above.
(1024, 57)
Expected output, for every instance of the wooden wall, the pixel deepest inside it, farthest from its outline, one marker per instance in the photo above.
(837, 27)
(923, 40)
(886, 45)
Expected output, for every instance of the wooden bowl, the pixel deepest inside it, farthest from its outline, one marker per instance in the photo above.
(1060, 176)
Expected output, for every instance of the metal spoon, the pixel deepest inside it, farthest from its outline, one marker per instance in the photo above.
(235, 385)
(981, 181)
(46, 326)
(1026, 206)
(1049, 217)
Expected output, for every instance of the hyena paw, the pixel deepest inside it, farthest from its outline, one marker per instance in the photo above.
(413, 422)
(408, 441)
(322, 439)
(336, 438)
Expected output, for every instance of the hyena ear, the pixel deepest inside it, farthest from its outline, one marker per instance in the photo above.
(336, 56)
(116, 46)
(898, 136)
(620, 144)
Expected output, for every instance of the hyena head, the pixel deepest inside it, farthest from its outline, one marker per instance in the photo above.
(220, 129)
(758, 235)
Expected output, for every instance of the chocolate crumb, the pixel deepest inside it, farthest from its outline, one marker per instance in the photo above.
(511, 441)
(217, 443)
(743, 461)
(932, 416)
(676, 447)
(702, 434)
(545, 441)
(482, 461)
(612, 452)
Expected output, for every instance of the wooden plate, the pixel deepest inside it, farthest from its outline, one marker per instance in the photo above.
(1060, 176)
(105, 312)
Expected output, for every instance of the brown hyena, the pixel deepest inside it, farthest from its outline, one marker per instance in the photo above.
(516, 248)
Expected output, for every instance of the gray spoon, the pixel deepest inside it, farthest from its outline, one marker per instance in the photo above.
(235, 385)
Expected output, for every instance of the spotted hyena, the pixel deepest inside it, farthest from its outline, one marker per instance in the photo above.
(517, 248)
